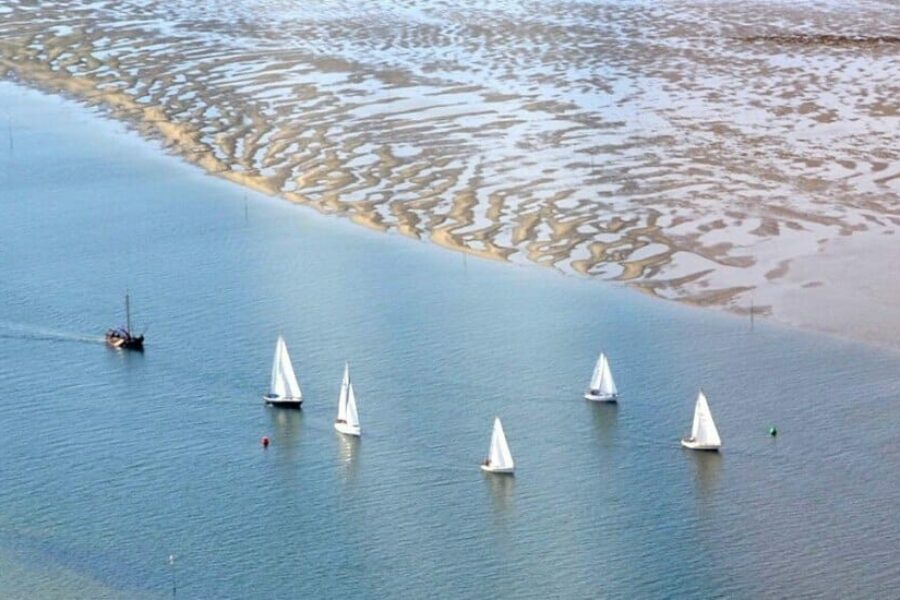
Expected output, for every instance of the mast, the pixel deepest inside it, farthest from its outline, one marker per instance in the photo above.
(127, 313)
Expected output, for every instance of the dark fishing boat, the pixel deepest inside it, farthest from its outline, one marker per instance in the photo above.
(122, 337)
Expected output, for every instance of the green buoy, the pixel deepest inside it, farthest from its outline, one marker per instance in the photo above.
(772, 431)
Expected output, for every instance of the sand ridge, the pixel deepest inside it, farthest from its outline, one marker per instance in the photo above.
(693, 150)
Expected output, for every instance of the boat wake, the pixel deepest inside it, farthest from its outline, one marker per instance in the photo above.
(20, 331)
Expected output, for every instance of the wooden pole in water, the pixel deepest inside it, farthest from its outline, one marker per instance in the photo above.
(751, 313)
(174, 584)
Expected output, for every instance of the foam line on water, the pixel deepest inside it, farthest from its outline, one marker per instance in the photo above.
(32, 332)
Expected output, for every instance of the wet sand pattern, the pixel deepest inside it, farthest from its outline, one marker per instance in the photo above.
(692, 149)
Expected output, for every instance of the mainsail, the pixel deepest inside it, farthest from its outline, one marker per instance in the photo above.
(703, 429)
(499, 454)
(352, 415)
(284, 382)
(602, 379)
(347, 417)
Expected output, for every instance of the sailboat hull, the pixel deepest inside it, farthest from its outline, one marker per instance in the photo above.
(283, 402)
(599, 397)
(347, 429)
(498, 470)
(128, 342)
(694, 445)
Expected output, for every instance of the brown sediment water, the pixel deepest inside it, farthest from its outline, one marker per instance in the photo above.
(692, 150)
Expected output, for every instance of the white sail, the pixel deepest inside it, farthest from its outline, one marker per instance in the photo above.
(607, 383)
(602, 381)
(598, 373)
(347, 420)
(284, 382)
(703, 429)
(275, 380)
(352, 415)
(499, 454)
(342, 397)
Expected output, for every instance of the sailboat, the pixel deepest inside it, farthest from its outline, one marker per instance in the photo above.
(284, 389)
(122, 336)
(602, 387)
(704, 435)
(347, 421)
(499, 459)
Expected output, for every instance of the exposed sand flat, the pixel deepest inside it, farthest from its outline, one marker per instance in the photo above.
(703, 152)
(813, 293)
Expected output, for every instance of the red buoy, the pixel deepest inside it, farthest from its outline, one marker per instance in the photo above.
(265, 441)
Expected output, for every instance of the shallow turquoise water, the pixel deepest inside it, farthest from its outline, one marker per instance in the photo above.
(110, 462)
